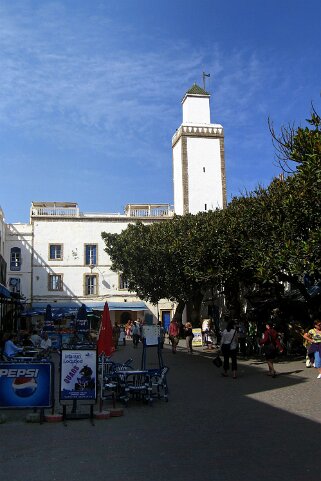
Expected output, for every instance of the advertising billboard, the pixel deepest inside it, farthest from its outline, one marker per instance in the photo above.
(78, 374)
(26, 385)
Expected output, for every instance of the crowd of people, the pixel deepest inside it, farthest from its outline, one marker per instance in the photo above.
(237, 339)
(242, 339)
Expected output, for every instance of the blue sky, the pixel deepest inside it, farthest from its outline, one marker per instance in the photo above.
(91, 90)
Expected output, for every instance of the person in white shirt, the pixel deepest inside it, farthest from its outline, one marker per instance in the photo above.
(122, 336)
(136, 334)
(45, 344)
(35, 339)
(229, 343)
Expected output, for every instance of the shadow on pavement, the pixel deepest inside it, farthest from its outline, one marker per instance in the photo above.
(213, 429)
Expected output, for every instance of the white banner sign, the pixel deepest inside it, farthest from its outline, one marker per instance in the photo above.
(151, 334)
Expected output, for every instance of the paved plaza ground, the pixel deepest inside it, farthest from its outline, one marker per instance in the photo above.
(212, 429)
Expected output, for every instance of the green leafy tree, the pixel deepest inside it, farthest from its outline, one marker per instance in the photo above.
(283, 221)
(172, 260)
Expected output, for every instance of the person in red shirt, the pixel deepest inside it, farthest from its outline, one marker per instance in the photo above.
(270, 343)
(173, 333)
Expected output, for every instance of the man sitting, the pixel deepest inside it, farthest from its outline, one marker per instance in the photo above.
(10, 348)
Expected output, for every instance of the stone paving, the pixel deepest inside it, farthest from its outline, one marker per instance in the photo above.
(212, 429)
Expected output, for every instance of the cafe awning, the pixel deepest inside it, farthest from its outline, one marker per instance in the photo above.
(60, 310)
(4, 292)
(118, 306)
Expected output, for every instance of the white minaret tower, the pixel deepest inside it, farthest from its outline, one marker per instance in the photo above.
(198, 157)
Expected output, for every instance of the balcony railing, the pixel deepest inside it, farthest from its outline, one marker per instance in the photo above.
(150, 210)
(55, 211)
(131, 210)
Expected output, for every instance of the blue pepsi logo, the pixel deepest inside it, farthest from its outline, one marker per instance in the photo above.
(24, 386)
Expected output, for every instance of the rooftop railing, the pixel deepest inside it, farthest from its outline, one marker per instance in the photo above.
(149, 211)
(131, 210)
(54, 211)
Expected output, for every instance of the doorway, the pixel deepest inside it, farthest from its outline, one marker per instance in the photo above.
(166, 319)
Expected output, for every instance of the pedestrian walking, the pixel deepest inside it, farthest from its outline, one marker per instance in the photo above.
(173, 333)
(309, 356)
(269, 343)
(136, 334)
(189, 337)
(229, 343)
(314, 336)
(122, 336)
(161, 335)
(242, 335)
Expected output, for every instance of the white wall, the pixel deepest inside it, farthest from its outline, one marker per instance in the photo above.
(73, 235)
(196, 110)
(204, 187)
(20, 235)
(178, 178)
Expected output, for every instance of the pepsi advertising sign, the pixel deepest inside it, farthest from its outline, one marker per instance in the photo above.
(26, 385)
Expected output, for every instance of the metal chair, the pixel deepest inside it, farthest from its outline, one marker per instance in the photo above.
(159, 383)
(135, 385)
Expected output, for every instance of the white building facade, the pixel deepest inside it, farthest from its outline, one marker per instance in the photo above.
(59, 259)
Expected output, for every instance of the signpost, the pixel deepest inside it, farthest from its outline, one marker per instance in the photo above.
(26, 385)
(78, 380)
(151, 338)
(197, 339)
(78, 375)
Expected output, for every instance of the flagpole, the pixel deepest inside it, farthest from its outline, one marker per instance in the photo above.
(204, 78)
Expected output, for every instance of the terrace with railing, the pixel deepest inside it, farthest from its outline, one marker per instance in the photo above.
(149, 210)
(71, 209)
(57, 209)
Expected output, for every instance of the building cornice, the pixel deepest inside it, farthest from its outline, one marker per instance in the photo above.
(215, 131)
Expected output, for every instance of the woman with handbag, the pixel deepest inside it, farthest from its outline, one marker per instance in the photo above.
(229, 343)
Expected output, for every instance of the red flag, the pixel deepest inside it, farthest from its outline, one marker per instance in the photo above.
(105, 338)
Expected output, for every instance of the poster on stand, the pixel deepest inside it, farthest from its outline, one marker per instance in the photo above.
(78, 375)
(26, 385)
(197, 339)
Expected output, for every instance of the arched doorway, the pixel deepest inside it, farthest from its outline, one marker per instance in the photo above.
(125, 317)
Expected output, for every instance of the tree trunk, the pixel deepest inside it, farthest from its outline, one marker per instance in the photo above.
(179, 310)
(193, 307)
(232, 299)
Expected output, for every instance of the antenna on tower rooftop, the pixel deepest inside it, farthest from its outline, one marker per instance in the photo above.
(204, 79)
